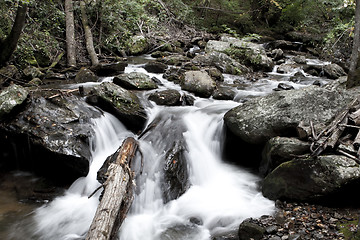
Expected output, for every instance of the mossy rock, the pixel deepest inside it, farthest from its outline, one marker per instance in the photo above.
(10, 98)
(135, 81)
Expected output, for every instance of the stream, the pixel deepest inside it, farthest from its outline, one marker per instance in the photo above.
(219, 196)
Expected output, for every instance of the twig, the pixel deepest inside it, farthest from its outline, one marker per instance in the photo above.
(97, 189)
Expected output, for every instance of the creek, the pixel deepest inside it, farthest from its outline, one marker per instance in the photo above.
(219, 196)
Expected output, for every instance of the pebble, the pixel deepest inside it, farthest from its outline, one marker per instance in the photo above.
(295, 221)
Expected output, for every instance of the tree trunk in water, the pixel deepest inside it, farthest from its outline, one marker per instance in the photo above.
(354, 71)
(117, 195)
(88, 35)
(70, 33)
(8, 46)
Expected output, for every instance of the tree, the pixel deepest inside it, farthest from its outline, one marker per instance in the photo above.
(354, 71)
(70, 33)
(8, 46)
(88, 35)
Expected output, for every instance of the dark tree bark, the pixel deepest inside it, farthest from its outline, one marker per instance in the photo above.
(88, 35)
(8, 46)
(70, 33)
(354, 71)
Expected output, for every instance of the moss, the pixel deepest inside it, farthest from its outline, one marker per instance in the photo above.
(349, 229)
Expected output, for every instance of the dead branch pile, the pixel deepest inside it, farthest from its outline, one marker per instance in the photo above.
(341, 135)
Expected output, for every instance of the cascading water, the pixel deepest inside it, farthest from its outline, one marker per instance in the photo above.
(219, 196)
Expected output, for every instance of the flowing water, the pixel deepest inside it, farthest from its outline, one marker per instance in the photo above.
(220, 195)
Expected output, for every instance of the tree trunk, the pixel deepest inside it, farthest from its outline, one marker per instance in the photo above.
(354, 71)
(70, 33)
(88, 35)
(117, 195)
(8, 46)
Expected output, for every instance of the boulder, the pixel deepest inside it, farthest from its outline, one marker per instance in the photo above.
(176, 176)
(31, 72)
(311, 179)
(168, 97)
(110, 69)
(135, 81)
(283, 44)
(299, 59)
(248, 230)
(217, 46)
(198, 82)
(333, 71)
(85, 75)
(278, 113)
(122, 103)
(283, 86)
(223, 92)
(173, 74)
(51, 137)
(11, 98)
(277, 54)
(215, 74)
(279, 150)
(155, 67)
(221, 61)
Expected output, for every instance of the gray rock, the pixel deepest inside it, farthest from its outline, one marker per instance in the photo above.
(31, 72)
(53, 136)
(248, 230)
(174, 59)
(135, 81)
(155, 67)
(310, 179)
(168, 97)
(122, 103)
(110, 69)
(278, 114)
(279, 150)
(85, 75)
(217, 46)
(7, 74)
(10, 98)
(224, 93)
(198, 82)
(300, 59)
(221, 61)
(333, 71)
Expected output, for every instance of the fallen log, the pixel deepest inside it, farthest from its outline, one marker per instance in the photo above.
(117, 195)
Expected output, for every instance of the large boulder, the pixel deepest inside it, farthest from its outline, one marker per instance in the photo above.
(173, 59)
(311, 179)
(221, 61)
(85, 75)
(7, 74)
(135, 81)
(279, 150)
(198, 82)
(137, 45)
(10, 98)
(278, 113)
(124, 104)
(50, 137)
(333, 71)
(155, 67)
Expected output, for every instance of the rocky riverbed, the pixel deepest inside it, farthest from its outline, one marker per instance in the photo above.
(295, 221)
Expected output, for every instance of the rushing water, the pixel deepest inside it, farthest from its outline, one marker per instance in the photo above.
(220, 195)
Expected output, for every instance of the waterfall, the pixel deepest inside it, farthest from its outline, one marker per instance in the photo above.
(219, 195)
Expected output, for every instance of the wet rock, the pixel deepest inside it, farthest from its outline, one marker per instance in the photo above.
(51, 137)
(120, 102)
(283, 86)
(85, 75)
(110, 69)
(7, 74)
(221, 61)
(167, 97)
(180, 232)
(155, 67)
(217, 46)
(160, 54)
(223, 93)
(279, 150)
(278, 113)
(198, 82)
(248, 230)
(135, 81)
(34, 82)
(176, 176)
(11, 98)
(284, 45)
(188, 100)
(310, 179)
(284, 68)
(298, 77)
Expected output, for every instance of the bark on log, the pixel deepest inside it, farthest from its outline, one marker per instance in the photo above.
(117, 195)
